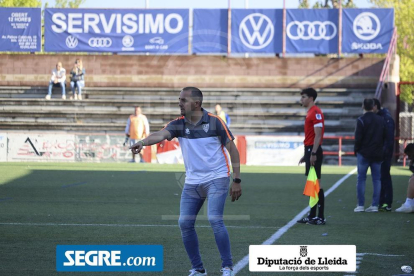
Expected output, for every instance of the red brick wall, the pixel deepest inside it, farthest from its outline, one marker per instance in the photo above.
(202, 71)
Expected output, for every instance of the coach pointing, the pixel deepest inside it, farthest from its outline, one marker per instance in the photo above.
(203, 137)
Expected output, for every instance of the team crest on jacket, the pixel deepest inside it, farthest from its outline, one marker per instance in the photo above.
(187, 131)
(318, 116)
(206, 127)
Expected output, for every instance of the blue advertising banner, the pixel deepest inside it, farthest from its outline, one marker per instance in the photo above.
(367, 30)
(210, 31)
(312, 31)
(109, 258)
(256, 30)
(102, 30)
(20, 29)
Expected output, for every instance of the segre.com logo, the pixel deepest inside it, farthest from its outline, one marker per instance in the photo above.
(109, 258)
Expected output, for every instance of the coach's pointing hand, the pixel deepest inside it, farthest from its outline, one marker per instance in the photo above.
(137, 147)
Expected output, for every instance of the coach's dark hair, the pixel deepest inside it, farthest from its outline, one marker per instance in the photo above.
(196, 93)
(310, 92)
(409, 148)
(377, 103)
(368, 104)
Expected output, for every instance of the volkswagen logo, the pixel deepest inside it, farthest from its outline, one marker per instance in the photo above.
(315, 30)
(366, 26)
(128, 41)
(256, 31)
(71, 42)
(100, 42)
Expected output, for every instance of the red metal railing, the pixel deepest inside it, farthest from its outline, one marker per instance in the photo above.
(386, 67)
(340, 153)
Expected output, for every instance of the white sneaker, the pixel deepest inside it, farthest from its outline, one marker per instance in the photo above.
(76, 96)
(227, 271)
(47, 97)
(359, 209)
(194, 272)
(63, 97)
(405, 209)
(80, 97)
(372, 209)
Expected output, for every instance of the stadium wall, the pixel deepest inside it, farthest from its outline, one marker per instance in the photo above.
(202, 71)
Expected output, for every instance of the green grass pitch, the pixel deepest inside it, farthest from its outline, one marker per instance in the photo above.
(43, 205)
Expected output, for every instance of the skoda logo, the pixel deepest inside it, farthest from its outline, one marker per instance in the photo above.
(315, 30)
(71, 42)
(366, 26)
(256, 31)
(128, 41)
(103, 42)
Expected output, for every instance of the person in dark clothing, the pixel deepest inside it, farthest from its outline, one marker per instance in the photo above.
(408, 205)
(369, 142)
(386, 194)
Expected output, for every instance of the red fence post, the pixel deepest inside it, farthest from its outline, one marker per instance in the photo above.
(242, 148)
(405, 157)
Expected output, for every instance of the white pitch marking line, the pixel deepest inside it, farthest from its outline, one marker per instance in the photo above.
(359, 259)
(376, 254)
(245, 260)
(124, 225)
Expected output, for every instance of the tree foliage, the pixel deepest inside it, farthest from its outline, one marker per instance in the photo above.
(329, 4)
(73, 4)
(404, 20)
(303, 4)
(21, 3)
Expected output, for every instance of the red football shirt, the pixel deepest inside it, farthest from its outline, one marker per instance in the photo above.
(313, 118)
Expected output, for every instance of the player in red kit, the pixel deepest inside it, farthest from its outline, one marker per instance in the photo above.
(314, 130)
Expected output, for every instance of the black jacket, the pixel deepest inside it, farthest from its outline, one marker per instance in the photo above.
(370, 134)
(390, 128)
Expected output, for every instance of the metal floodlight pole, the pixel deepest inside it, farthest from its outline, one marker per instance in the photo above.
(229, 30)
(146, 4)
(246, 4)
(340, 30)
(284, 30)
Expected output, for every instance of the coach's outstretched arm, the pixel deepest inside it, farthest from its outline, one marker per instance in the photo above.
(154, 138)
(235, 188)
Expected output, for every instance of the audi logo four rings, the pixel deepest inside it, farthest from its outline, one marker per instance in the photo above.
(315, 30)
(101, 42)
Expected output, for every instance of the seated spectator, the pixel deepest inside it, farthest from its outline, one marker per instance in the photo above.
(58, 79)
(408, 205)
(223, 115)
(77, 76)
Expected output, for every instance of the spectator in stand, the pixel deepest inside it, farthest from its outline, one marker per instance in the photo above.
(370, 134)
(223, 115)
(137, 128)
(77, 76)
(58, 79)
(386, 180)
(408, 205)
